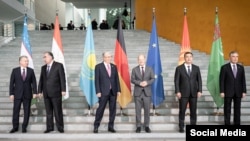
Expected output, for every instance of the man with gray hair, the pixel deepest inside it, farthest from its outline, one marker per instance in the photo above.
(107, 87)
(22, 86)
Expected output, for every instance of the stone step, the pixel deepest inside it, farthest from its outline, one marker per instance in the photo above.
(167, 111)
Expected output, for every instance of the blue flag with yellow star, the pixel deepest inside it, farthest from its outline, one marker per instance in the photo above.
(87, 75)
(154, 61)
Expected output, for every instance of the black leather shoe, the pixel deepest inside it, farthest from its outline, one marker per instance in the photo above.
(138, 130)
(24, 130)
(95, 130)
(181, 130)
(111, 130)
(61, 130)
(147, 129)
(47, 131)
(13, 130)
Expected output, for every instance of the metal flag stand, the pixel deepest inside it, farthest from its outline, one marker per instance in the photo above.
(89, 112)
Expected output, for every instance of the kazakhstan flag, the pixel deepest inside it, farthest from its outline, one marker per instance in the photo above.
(87, 75)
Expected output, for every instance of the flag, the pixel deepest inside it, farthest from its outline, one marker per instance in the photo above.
(121, 61)
(87, 75)
(26, 48)
(57, 50)
(215, 63)
(185, 44)
(154, 61)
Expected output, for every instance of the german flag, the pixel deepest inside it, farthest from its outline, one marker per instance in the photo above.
(120, 59)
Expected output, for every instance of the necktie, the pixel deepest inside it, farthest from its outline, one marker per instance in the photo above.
(109, 72)
(189, 71)
(23, 75)
(234, 71)
(142, 72)
(108, 69)
(48, 69)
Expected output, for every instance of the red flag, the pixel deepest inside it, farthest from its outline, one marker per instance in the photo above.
(120, 59)
(185, 45)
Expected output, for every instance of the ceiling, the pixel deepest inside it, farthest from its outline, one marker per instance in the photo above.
(98, 3)
(8, 13)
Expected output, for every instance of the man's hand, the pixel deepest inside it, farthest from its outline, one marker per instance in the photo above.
(34, 95)
(118, 93)
(12, 97)
(199, 94)
(143, 83)
(98, 94)
(222, 95)
(178, 95)
(243, 95)
(63, 93)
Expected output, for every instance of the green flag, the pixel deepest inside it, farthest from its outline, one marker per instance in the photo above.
(215, 63)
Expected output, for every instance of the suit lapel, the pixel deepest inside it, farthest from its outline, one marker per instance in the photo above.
(51, 68)
(20, 73)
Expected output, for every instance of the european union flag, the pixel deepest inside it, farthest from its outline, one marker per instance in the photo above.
(87, 75)
(154, 61)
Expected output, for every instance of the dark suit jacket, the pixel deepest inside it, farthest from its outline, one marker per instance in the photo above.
(55, 83)
(20, 88)
(103, 81)
(232, 86)
(136, 79)
(188, 85)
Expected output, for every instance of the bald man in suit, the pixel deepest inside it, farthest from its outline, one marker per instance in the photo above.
(142, 77)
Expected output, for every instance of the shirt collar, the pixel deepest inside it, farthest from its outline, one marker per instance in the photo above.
(186, 65)
(50, 64)
(142, 66)
(23, 68)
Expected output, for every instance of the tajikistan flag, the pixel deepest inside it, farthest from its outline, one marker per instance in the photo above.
(57, 51)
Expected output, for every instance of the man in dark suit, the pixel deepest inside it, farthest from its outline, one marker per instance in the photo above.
(52, 85)
(188, 86)
(107, 87)
(22, 86)
(70, 26)
(142, 77)
(232, 87)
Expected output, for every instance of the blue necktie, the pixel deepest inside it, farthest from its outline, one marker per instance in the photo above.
(189, 71)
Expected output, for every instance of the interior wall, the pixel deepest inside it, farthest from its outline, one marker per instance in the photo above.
(46, 11)
(233, 19)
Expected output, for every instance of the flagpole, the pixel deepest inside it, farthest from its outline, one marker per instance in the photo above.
(187, 111)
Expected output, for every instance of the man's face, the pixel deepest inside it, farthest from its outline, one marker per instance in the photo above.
(188, 58)
(47, 58)
(141, 60)
(107, 58)
(234, 58)
(24, 62)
